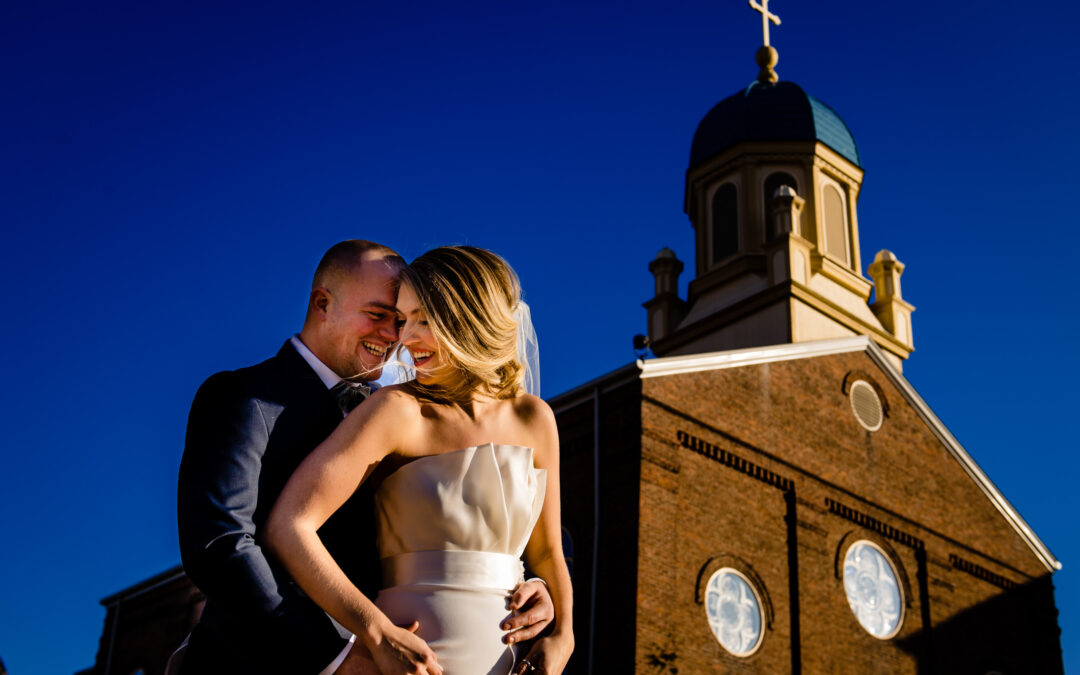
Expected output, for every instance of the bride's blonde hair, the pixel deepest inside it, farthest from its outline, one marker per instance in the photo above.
(470, 296)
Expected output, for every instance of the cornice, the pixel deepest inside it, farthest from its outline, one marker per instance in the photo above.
(737, 358)
(810, 153)
(824, 156)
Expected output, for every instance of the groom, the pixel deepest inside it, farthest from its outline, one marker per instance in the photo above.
(247, 432)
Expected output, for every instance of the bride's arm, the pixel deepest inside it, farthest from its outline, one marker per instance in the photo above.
(318, 488)
(544, 553)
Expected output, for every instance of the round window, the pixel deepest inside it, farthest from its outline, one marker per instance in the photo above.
(870, 582)
(866, 405)
(734, 611)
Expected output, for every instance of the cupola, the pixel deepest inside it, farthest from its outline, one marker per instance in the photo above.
(771, 191)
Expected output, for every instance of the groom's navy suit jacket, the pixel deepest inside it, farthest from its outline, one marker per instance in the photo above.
(247, 432)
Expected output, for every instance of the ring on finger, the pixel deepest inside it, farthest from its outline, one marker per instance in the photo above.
(527, 666)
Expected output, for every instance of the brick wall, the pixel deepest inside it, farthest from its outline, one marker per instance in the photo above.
(729, 456)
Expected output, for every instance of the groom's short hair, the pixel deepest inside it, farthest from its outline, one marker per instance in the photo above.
(345, 257)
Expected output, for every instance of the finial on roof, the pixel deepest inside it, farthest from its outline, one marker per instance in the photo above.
(889, 306)
(766, 56)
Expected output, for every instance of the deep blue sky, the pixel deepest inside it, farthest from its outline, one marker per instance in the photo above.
(171, 172)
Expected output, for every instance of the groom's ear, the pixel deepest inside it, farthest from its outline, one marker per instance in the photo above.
(320, 299)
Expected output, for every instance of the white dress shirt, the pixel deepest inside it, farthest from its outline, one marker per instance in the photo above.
(328, 377)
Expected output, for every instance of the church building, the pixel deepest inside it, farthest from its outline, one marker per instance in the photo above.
(767, 493)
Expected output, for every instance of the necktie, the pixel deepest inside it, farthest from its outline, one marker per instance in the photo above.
(350, 394)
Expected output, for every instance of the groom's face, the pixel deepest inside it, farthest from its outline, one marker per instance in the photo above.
(361, 320)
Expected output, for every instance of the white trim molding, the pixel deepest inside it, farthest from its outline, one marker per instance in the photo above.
(736, 358)
(692, 363)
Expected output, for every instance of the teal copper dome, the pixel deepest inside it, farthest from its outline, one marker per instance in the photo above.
(771, 112)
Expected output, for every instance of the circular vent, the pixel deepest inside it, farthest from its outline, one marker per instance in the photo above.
(866, 405)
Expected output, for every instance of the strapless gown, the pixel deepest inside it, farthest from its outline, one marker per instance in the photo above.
(451, 531)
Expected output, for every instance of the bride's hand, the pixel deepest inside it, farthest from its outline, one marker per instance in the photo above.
(400, 651)
(533, 611)
(548, 656)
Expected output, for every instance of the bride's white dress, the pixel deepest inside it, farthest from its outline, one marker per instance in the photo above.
(452, 528)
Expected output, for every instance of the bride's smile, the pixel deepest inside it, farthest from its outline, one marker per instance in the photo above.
(416, 337)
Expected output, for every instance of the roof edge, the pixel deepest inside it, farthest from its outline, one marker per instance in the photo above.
(583, 392)
(144, 586)
(1007, 510)
(690, 363)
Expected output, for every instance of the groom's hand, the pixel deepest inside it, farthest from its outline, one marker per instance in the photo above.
(533, 612)
(357, 662)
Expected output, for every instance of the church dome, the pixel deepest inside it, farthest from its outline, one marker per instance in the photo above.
(771, 112)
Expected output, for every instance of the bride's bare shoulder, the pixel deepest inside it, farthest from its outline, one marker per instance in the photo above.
(392, 394)
(535, 413)
(390, 404)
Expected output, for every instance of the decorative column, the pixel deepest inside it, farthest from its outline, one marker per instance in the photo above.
(666, 309)
(788, 254)
(889, 307)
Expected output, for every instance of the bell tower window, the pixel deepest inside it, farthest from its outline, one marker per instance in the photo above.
(725, 222)
(836, 229)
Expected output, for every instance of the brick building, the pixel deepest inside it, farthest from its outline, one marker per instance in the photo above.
(768, 494)
(717, 502)
(145, 623)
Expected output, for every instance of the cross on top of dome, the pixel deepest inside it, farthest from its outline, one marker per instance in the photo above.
(766, 17)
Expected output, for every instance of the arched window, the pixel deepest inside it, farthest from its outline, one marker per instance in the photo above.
(836, 237)
(725, 222)
(772, 184)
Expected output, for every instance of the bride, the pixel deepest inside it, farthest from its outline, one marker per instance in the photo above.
(466, 471)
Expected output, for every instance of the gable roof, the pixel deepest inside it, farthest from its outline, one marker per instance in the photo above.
(690, 363)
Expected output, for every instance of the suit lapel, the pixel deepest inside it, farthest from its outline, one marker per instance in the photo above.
(295, 373)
